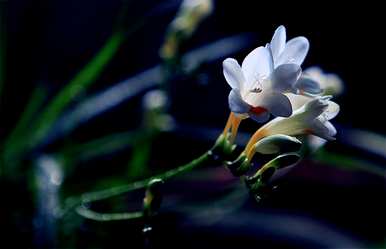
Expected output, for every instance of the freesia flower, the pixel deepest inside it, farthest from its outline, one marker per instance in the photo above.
(312, 118)
(330, 83)
(259, 84)
(297, 101)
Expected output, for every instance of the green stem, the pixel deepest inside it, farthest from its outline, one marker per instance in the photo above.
(92, 215)
(105, 194)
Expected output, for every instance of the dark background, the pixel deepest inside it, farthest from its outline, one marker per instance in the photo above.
(48, 41)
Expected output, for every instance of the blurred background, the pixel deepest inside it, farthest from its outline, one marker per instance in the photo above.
(96, 94)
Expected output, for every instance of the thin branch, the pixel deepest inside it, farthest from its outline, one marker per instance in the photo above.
(74, 202)
(92, 215)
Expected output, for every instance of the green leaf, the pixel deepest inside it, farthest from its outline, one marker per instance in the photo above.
(76, 86)
(19, 133)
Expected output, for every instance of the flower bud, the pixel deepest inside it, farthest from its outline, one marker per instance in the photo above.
(153, 197)
(259, 183)
(331, 83)
(189, 16)
(284, 160)
(277, 144)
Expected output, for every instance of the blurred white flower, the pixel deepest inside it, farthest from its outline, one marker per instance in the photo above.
(312, 118)
(259, 84)
(188, 18)
(199, 6)
(330, 83)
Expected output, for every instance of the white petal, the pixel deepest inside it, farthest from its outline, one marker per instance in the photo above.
(307, 85)
(314, 108)
(232, 73)
(294, 52)
(287, 126)
(314, 72)
(257, 65)
(331, 128)
(330, 83)
(285, 76)
(333, 84)
(321, 130)
(260, 118)
(276, 103)
(297, 101)
(331, 111)
(277, 143)
(278, 42)
(316, 142)
(236, 103)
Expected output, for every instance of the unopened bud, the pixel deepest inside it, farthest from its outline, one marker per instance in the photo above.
(276, 144)
(265, 173)
(285, 160)
(153, 197)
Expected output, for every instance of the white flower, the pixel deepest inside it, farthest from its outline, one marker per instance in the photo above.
(312, 118)
(297, 101)
(330, 83)
(259, 84)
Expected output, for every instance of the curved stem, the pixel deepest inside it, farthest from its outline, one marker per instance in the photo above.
(104, 194)
(92, 215)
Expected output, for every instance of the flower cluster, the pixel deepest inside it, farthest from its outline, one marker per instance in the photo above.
(266, 74)
(270, 81)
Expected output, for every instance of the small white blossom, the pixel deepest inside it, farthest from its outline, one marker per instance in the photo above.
(312, 118)
(259, 84)
(297, 102)
(330, 83)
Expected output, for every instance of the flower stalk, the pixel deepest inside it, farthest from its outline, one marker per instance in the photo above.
(80, 203)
